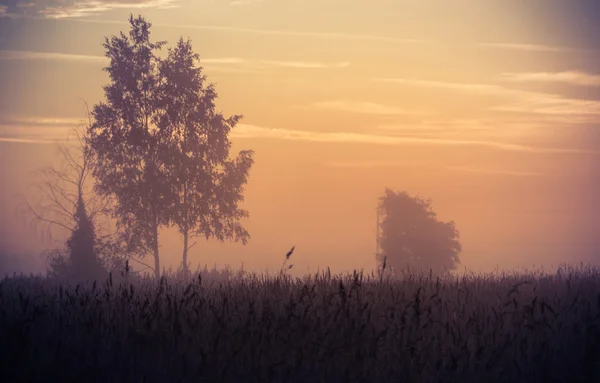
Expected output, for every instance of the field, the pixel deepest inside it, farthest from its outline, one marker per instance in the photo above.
(353, 328)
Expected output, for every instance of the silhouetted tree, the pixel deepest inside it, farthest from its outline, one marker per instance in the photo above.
(62, 201)
(208, 185)
(129, 146)
(412, 237)
(82, 246)
(162, 148)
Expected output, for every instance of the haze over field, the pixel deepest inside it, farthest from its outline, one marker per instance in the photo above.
(491, 108)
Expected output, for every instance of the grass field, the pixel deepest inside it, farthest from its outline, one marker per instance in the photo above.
(352, 328)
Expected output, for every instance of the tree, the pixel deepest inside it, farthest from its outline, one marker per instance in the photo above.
(412, 236)
(162, 149)
(82, 245)
(208, 185)
(130, 149)
(62, 204)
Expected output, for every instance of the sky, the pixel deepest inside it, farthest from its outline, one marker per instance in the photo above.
(489, 108)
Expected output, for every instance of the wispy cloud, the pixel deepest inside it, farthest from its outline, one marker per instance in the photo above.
(481, 89)
(279, 32)
(515, 173)
(32, 55)
(357, 107)
(484, 128)
(226, 60)
(521, 101)
(238, 3)
(439, 126)
(252, 131)
(567, 77)
(461, 169)
(374, 164)
(525, 47)
(26, 141)
(212, 64)
(306, 64)
(75, 8)
(35, 129)
(29, 55)
(505, 127)
(47, 130)
(369, 164)
(40, 121)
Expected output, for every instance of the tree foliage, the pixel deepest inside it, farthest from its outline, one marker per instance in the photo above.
(207, 184)
(129, 148)
(411, 236)
(82, 246)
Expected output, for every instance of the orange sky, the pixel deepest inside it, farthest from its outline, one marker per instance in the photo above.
(488, 107)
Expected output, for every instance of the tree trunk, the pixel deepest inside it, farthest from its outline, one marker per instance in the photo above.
(156, 263)
(185, 253)
(186, 226)
(156, 254)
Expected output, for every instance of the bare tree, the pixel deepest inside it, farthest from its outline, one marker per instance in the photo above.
(52, 204)
(62, 204)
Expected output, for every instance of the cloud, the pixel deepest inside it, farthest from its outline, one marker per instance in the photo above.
(552, 105)
(525, 47)
(226, 60)
(505, 127)
(74, 8)
(515, 173)
(371, 164)
(567, 77)
(521, 101)
(440, 125)
(37, 130)
(275, 32)
(29, 55)
(26, 141)
(357, 107)
(484, 128)
(482, 89)
(244, 2)
(49, 130)
(39, 121)
(223, 64)
(462, 169)
(252, 131)
(306, 65)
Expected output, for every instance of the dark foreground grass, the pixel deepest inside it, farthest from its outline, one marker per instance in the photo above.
(493, 328)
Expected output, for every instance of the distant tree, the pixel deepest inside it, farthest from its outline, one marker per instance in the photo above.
(82, 245)
(62, 203)
(208, 185)
(411, 236)
(129, 146)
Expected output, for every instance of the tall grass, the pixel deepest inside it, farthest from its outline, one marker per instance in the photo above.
(321, 328)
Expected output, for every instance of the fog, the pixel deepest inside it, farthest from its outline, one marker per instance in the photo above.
(491, 116)
(328, 212)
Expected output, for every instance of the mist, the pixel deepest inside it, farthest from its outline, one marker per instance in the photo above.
(494, 120)
(297, 191)
(328, 211)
